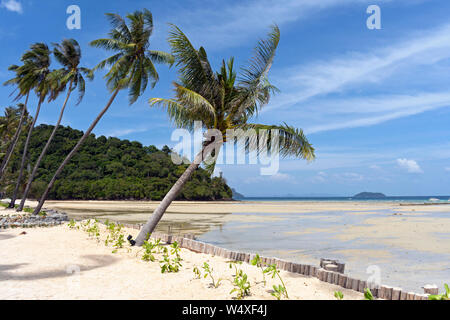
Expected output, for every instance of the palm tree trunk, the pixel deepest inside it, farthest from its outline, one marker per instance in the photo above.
(44, 151)
(13, 144)
(72, 153)
(24, 155)
(153, 221)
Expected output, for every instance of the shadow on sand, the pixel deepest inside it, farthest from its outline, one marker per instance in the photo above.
(99, 261)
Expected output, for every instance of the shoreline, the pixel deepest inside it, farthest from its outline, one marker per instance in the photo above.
(360, 234)
(71, 259)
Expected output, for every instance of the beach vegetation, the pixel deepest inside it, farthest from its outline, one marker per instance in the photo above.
(280, 290)
(118, 243)
(171, 261)
(197, 272)
(208, 272)
(240, 281)
(338, 295)
(242, 285)
(256, 261)
(72, 224)
(368, 294)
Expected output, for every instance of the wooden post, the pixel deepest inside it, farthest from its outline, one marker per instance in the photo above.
(410, 296)
(330, 276)
(431, 289)
(403, 295)
(388, 292)
(342, 280)
(396, 292)
(362, 286)
(331, 267)
(355, 284)
(349, 283)
(307, 270)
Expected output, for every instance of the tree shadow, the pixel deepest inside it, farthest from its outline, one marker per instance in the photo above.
(4, 267)
(6, 236)
(100, 261)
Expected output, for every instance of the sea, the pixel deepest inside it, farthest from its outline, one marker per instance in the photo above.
(402, 199)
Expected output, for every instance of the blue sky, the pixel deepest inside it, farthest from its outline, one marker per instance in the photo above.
(374, 103)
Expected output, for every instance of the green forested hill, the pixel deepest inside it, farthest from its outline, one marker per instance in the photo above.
(110, 169)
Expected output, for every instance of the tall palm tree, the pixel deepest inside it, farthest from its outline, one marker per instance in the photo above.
(24, 83)
(68, 54)
(131, 67)
(11, 123)
(222, 102)
(35, 74)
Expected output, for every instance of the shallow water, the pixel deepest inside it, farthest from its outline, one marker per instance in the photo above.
(409, 247)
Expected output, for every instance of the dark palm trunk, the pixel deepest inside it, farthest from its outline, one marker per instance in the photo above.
(41, 156)
(13, 144)
(24, 155)
(153, 221)
(72, 153)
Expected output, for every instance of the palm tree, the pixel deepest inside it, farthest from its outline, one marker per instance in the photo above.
(68, 54)
(11, 117)
(34, 73)
(131, 67)
(222, 102)
(24, 83)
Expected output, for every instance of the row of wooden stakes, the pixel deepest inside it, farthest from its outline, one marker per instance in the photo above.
(336, 278)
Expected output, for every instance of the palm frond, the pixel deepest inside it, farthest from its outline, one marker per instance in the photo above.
(193, 64)
(291, 141)
(195, 102)
(178, 114)
(161, 57)
(253, 84)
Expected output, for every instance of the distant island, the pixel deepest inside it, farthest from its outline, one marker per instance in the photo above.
(237, 195)
(369, 195)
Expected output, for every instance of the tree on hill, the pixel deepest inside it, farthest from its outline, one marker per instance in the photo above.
(109, 169)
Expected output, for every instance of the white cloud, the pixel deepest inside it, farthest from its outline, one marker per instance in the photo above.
(349, 176)
(12, 5)
(124, 132)
(410, 165)
(447, 169)
(312, 88)
(282, 177)
(230, 25)
(374, 110)
(278, 177)
(320, 177)
(323, 77)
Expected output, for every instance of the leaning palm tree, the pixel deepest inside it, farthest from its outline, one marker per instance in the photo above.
(17, 126)
(68, 54)
(35, 74)
(131, 67)
(222, 101)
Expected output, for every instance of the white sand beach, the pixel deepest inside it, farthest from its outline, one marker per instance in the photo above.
(63, 263)
(407, 243)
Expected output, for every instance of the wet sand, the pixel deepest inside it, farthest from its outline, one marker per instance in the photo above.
(410, 244)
